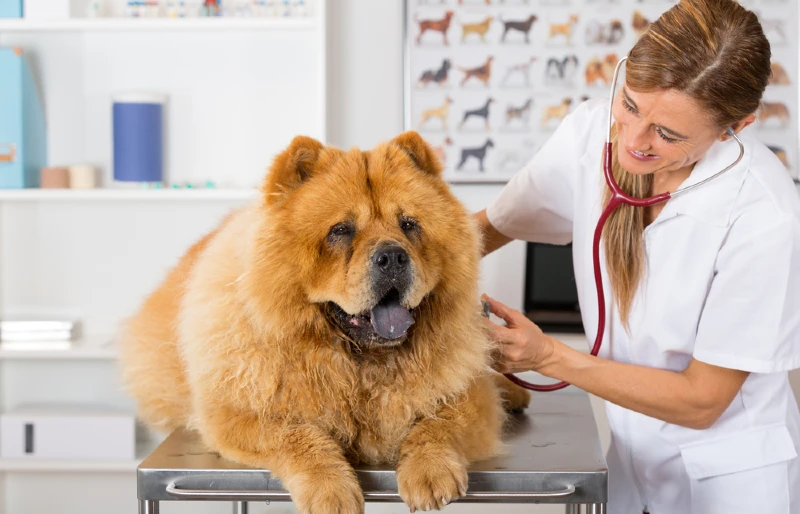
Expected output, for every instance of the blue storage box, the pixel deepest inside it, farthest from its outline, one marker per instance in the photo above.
(10, 8)
(23, 137)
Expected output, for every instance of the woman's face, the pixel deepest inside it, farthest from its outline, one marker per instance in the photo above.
(662, 130)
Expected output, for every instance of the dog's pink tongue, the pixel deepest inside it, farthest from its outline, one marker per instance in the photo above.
(391, 320)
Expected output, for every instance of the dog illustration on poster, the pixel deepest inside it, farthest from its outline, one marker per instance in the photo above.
(478, 153)
(441, 25)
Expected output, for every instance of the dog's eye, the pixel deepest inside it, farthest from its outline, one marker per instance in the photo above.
(408, 224)
(340, 230)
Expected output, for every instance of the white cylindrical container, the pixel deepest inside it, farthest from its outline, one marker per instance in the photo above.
(82, 176)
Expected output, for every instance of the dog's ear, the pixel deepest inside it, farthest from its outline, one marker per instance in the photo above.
(292, 167)
(419, 152)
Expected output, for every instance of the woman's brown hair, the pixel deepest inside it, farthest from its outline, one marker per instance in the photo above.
(715, 52)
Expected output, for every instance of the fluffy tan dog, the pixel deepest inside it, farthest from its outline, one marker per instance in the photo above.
(333, 321)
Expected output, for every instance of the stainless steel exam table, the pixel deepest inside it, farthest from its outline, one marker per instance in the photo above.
(554, 456)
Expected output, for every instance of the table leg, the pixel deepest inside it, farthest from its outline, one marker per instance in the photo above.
(239, 507)
(148, 507)
(595, 508)
(573, 508)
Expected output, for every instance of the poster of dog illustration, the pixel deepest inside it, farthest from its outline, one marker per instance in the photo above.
(488, 81)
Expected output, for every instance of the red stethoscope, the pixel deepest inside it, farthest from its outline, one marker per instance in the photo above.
(617, 197)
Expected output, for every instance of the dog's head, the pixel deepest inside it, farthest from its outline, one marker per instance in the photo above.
(371, 241)
(446, 64)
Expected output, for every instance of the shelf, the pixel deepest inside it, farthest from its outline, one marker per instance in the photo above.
(133, 24)
(88, 348)
(100, 194)
(143, 449)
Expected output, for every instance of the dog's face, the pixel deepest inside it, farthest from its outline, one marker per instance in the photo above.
(371, 233)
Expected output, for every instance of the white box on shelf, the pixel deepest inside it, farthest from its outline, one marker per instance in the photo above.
(49, 9)
(54, 432)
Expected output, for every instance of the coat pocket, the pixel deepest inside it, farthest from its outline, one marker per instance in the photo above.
(739, 451)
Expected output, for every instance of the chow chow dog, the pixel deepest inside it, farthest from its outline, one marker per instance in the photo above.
(334, 321)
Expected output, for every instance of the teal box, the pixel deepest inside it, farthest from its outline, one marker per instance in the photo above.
(10, 8)
(23, 136)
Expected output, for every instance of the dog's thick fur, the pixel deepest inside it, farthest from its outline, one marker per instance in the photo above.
(240, 343)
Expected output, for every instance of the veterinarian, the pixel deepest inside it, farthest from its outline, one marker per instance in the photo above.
(704, 305)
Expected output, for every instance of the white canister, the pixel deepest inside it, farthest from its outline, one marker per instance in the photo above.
(82, 176)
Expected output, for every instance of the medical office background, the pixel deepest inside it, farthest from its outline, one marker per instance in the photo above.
(336, 72)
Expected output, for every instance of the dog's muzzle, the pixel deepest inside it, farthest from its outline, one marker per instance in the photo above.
(391, 275)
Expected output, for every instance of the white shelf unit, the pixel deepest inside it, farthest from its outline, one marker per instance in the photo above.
(143, 448)
(111, 194)
(149, 24)
(238, 91)
(94, 347)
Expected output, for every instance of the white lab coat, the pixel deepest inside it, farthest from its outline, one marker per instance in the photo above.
(722, 285)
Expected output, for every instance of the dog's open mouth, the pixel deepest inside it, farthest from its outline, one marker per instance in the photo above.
(387, 322)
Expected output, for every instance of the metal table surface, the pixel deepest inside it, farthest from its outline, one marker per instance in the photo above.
(554, 456)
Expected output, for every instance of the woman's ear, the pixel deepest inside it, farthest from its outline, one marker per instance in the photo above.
(738, 126)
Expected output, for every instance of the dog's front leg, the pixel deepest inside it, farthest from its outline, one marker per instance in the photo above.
(309, 463)
(432, 466)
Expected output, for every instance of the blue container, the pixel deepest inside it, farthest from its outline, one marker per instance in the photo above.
(138, 137)
(10, 8)
(23, 136)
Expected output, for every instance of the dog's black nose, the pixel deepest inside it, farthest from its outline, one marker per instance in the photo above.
(391, 260)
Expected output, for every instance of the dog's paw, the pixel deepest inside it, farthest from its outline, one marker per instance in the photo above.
(432, 479)
(515, 398)
(336, 494)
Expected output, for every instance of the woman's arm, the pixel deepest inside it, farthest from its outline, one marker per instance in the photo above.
(695, 397)
(492, 239)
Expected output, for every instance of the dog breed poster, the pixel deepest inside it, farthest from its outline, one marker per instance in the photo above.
(487, 81)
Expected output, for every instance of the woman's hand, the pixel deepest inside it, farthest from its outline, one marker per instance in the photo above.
(521, 345)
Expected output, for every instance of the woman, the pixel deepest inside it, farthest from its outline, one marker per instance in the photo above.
(704, 324)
